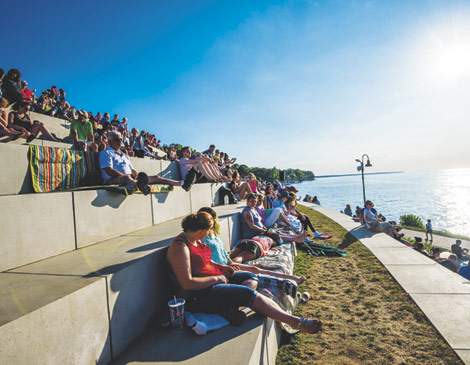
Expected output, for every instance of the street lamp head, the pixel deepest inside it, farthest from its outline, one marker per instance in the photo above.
(368, 164)
(357, 160)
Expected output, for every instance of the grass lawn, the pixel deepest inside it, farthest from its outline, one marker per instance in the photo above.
(367, 317)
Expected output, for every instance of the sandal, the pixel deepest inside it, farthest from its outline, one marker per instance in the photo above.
(305, 297)
(309, 325)
(142, 183)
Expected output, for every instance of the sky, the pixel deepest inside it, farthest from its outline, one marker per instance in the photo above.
(293, 84)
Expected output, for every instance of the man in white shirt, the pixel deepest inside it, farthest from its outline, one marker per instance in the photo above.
(116, 168)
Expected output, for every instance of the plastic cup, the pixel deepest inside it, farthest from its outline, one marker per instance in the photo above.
(176, 309)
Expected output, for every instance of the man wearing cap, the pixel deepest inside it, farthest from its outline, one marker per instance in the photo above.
(81, 133)
(116, 168)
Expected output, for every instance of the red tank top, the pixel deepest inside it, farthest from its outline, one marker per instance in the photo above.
(201, 259)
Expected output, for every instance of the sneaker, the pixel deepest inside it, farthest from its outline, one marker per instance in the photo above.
(316, 234)
(189, 180)
(308, 240)
(142, 183)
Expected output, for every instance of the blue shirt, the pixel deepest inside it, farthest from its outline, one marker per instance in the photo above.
(218, 253)
(117, 160)
(278, 203)
(465, 272)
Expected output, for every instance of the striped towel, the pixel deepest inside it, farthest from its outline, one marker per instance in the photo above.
(54, 168)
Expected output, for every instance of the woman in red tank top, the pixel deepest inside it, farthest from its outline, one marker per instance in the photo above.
(209, 287)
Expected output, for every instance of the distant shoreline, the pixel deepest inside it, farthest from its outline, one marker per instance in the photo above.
(367, 173)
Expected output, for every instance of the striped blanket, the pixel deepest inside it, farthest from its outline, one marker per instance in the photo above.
(54, 168)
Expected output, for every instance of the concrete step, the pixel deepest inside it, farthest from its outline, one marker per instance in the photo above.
(255, 342)
(16, 177)
(88, 305)
(38, 226)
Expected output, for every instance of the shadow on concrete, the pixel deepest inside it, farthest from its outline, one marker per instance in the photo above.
(361, 232)
(161, 197)
(160, 345)
(348, 240)
(104, 199)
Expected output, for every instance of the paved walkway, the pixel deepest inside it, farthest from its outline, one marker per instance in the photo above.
(443, 296)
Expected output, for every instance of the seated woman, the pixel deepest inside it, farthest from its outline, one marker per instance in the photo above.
(252, 224)
(253, 183)
(221, 257)
(211, 288)
(21, 121)
(4, 130)
(239, 188)
(272, 215)
(348, 210)
(291, 207)
(372, 222)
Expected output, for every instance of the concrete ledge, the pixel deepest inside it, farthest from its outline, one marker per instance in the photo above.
(215, 192)
(58, 127)
(200, 196)
(14, 164)
(34, 227)
(167, 206)
(170, 170)
(75, 324)
(100, 215)
(150, 167)
(255, 342)
(133, 266)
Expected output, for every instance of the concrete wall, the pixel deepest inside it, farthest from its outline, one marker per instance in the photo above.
(73, 329)
(167, 206)
(34, 227)
(15, 176)
(100, 215)
(201, 196)
(58, 127)
(170, 170)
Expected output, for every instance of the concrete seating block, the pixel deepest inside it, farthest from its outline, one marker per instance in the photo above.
(100, 215)
(167, 206)
(15, 177)
(58, 127)
(215, 191)
(252, 343)
(170, 170)
(201, 196)
(34, 227)
(150, 167)
(71, 329)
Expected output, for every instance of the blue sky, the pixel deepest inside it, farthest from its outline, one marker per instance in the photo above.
(303, 84)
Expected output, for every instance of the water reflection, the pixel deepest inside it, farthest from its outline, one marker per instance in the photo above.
(442, 196)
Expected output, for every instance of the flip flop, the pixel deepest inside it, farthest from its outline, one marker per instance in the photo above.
(305, 297)
(142, 183)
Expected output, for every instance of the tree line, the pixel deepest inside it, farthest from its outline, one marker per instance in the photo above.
(273, 173)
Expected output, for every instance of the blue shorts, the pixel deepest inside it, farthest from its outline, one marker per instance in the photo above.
(223, 296)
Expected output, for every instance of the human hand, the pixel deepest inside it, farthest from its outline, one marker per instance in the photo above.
(235, 267)
(221, 279)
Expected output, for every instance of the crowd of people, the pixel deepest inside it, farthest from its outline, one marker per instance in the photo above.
(456, 261)
(88, 130)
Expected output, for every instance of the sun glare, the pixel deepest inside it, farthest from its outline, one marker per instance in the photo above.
(441, 51)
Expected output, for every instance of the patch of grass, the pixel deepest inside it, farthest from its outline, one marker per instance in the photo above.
(367, 317)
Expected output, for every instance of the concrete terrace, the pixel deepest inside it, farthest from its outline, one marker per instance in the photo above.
(443, 296)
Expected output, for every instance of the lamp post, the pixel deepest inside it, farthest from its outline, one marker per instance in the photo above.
(361, 168)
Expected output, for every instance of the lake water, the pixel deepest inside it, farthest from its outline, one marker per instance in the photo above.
(442, 196)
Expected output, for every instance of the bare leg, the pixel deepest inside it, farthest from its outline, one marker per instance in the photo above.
(294, 238)
(243, 190)
(38, 126)
(122, 180)
(279, 275)
(241, 256)
(270, 309)
(161, 180)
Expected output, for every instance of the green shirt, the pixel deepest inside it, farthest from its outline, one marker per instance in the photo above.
(83, 129)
